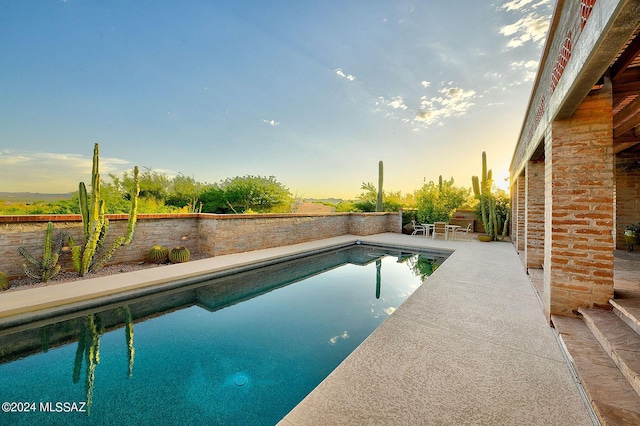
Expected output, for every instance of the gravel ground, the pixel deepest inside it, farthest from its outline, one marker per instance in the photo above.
(63, 277)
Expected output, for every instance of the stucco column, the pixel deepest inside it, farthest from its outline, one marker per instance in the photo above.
(579, 185)
(534, 215)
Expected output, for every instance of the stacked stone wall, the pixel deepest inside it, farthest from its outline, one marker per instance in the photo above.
(239, 233)
(463, 218)
(208, 234)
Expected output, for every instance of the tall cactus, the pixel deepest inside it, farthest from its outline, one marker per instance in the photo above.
(47, 268)
(88, 350)
(379, 205)
(482, 191)
(96, 225)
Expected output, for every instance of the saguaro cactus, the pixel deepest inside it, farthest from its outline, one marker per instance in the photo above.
(379, 206)
(96, 225)
(482, 191)
(491, 220)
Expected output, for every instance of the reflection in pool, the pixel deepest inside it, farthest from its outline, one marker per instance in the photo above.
(211, 352)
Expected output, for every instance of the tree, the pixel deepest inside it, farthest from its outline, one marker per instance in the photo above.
(116, 197)
(185, 191)
(438, 202)
(245, 194)
(255, 193)
(152, 184)
(213, 201)
(367, 200)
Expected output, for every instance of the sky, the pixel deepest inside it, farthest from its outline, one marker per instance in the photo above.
(315, 93)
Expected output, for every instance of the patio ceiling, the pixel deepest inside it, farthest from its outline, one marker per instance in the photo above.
(625, 75)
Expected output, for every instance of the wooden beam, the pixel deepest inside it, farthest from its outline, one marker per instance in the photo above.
(627, 119)
(627, 80)
(621, 146)
(630, 86)
(626, 59)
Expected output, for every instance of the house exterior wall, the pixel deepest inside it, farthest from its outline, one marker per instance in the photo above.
(579, 222)
(534, 215)
(568, 125)
(520, 213)
(627, 173)
(209, 234)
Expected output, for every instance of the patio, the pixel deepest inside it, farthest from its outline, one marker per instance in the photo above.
(470, 346)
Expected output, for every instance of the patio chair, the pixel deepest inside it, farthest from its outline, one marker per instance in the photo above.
(439, 228)
(417, 228)
(464, 231)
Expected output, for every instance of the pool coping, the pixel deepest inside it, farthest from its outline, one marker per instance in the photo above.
(371, 385)
(75, 296)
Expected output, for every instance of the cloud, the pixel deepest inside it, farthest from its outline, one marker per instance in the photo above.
(50, 172)
(425, 83)
(449, 101)
(395, 103)
(530, 28)
(272, 123)
(516, 4)
(529, 69)
(342, 74)
(533, 24)
(452, 102)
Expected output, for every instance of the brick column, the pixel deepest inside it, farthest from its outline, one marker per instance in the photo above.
(521, 212)
(513, 205)
(534, 215)
(579, 185)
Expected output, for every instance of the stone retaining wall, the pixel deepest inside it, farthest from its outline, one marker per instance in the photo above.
(208, 234)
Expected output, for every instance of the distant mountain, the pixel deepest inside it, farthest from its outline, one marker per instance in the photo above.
(33, 196)
(324, 200)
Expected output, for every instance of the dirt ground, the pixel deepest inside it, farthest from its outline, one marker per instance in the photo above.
(63, 277)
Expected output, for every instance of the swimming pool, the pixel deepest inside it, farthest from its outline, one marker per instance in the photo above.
(242, 349)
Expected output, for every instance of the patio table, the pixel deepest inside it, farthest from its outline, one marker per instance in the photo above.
(428, 227)
(452, 228)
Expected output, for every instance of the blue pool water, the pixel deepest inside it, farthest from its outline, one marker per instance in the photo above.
(238, 350)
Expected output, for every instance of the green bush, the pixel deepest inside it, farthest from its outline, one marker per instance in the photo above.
(438, 202)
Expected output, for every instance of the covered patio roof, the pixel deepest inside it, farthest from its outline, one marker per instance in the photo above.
(602, 40)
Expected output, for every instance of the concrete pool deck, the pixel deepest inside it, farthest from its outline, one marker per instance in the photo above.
(470, 346)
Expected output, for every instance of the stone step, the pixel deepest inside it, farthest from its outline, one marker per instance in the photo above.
(629, 311)
(612, 397)
(620, 342)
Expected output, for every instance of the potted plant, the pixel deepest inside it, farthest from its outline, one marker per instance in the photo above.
(632, 235)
